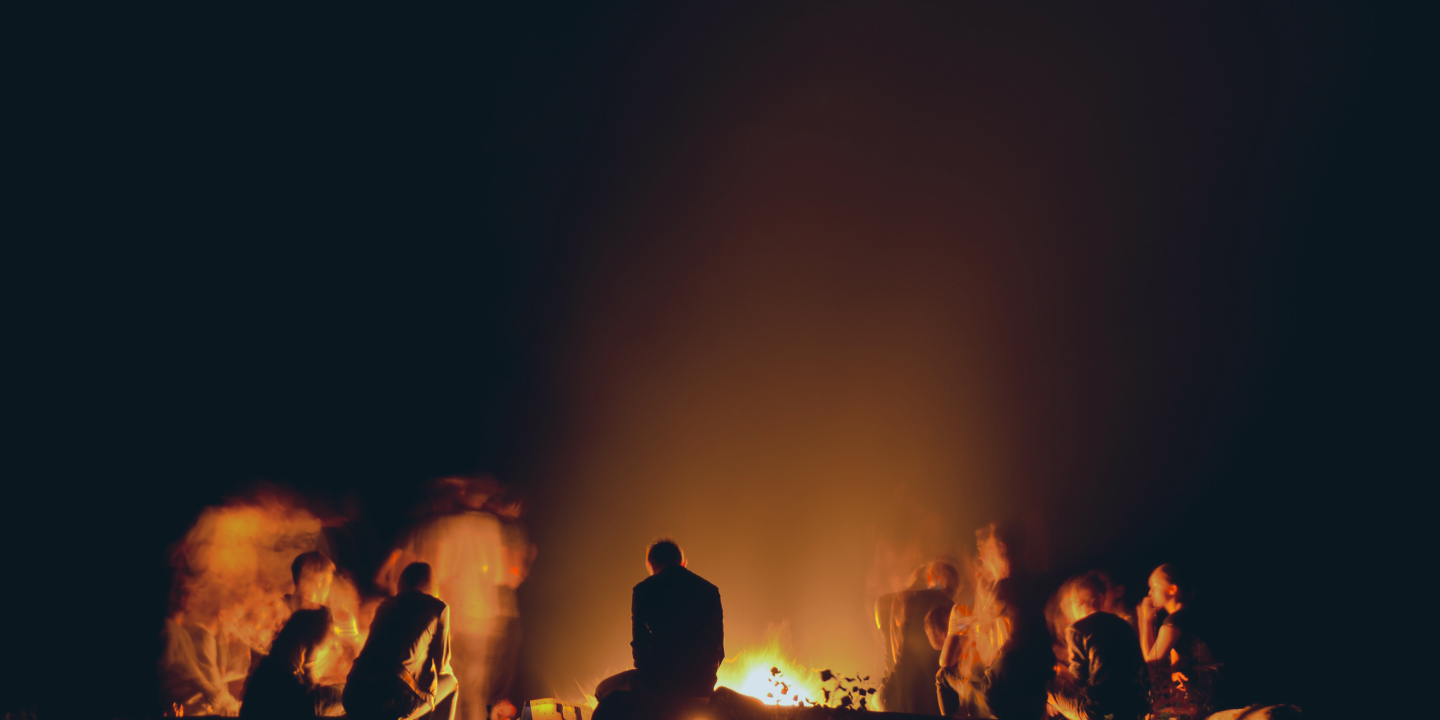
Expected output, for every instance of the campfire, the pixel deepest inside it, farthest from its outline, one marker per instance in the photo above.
(768, 674)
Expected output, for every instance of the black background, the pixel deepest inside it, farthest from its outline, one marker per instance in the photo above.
(339, 250)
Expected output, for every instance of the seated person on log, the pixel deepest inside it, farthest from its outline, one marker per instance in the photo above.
(1014, 686)
(1183, 669)
(404, 669)
(1107, 675)
(678, 631)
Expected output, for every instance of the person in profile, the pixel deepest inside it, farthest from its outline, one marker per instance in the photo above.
(1107, 675)
(1183, 669)
(678, 631)
(404, 669)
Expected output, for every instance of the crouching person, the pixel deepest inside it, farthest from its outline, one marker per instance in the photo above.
(283, 684)
(404, 669)
(1107, 675)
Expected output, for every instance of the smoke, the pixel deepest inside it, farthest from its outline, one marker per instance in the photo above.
(234, 563)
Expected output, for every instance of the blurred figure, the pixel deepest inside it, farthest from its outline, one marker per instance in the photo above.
(404, 669)
(476, 573)
(910, 687)
(1014, 685)
(1106, 673)
(1183, 670)
(678, 635)
(283, 684)
(1114, 600)
(193, 669)
(937, 623)
(976, 630)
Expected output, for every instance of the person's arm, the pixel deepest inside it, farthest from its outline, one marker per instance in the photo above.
(1145, 620)
(1164, 641)
(718, 629)
(440, 644)
(1079, 659)
(639, 630)
(950, 650)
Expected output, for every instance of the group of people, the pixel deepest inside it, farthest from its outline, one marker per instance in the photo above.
(1008, 645)
(445, 636)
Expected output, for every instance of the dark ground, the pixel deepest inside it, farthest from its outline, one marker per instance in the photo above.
(338, 251)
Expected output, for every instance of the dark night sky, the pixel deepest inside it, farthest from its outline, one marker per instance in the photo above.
(788, 282)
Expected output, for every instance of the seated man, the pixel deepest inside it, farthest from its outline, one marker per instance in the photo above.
(678, 631)
(283, 683)
(404, 669)
(1107, 672)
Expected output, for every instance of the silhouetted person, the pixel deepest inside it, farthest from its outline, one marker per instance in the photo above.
(1107, 675)
(678, 631)
(283, 684)
(1014, 686)
(910, 687)
(404, 669)
(1182, 668)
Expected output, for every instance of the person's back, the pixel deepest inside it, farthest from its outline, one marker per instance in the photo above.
(406, 659)
(1106, 662)
(677, 640)
(679, 632)
(912, 687)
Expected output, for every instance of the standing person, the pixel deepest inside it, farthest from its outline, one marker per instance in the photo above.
(1183, 669)
(677, 630)
(911, 687)
(464, 544)
(404, 669)
(1107, 675)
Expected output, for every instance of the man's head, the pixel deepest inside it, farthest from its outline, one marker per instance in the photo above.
(416, 576)
(1114, 601)
(313, 573)
(662, 554)
(1166, 587)
(943, 575)
(1087, 592)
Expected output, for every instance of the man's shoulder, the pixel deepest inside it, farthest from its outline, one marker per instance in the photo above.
(415, 601)
(675, 576)
(1102, 622)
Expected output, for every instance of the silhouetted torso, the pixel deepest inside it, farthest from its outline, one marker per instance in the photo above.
(678, 632)
(409, 644)
(911, 687)
(1106, 661)
(280, 686)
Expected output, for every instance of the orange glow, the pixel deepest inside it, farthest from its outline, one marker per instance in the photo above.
(768, 674)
